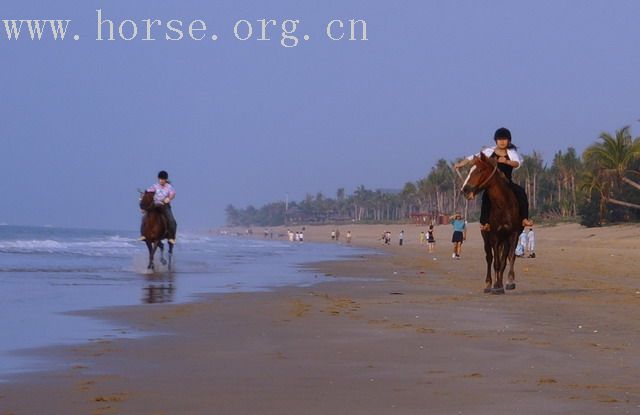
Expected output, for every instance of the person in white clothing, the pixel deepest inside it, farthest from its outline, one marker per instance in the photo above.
(531, 243)
(522, 244)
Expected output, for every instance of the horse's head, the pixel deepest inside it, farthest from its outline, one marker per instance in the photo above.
(146, 201)
(483, 169)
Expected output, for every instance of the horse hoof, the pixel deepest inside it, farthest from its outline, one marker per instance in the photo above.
(511, 286)
(163, 261)
(487, 290)
(497, 291)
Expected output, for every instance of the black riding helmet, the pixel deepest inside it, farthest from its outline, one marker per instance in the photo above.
(502, 133)
(163, 175)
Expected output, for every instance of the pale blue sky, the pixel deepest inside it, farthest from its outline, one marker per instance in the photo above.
(83, 124)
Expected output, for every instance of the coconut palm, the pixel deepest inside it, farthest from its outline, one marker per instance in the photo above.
(614, 159)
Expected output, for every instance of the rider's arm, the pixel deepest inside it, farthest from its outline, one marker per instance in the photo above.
(172, 195)
(514, 158)
(462, 163)
(487, 152)
(511, 163)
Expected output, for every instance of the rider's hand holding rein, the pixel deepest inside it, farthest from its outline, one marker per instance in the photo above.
(512, 163)
(461, 163)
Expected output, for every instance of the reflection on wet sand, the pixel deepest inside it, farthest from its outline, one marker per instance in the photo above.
(160, 289)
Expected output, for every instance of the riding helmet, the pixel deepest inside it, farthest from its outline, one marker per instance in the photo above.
(502, 133)
(163, 175)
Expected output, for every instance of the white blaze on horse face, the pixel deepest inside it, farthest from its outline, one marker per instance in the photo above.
(468, 176)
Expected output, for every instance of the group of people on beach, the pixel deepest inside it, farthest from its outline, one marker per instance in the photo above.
(386, 237)
(335, 235)
(297, 236)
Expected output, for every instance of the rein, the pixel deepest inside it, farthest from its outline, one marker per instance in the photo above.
(495, 169)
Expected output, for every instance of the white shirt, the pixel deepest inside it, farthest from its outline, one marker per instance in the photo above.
(512, 153)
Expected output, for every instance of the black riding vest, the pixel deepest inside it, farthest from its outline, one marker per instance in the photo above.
(504, 168)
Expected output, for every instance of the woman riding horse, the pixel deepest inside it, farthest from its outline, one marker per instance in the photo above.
(164, 193)
(506, 154)
(158, 222)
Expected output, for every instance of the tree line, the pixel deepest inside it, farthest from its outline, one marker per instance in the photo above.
(600, 186)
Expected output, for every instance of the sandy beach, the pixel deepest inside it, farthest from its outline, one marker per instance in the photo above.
(398, 332)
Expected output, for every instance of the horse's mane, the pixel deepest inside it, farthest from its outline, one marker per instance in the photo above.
(146, 202)
(494, 164)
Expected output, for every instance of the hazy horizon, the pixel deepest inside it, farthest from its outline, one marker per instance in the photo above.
(86, 123)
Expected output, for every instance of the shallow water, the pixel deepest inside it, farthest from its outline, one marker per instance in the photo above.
(46, 273)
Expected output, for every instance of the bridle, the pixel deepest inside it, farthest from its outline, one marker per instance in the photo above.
(485, 181)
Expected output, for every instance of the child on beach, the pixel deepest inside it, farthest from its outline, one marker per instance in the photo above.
(401, 237)
(348, 237)
(421, 238)
(431, 239)
(522, 244)
(531, 243)
(459, 234)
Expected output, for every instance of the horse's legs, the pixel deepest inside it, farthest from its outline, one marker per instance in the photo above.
(511, 278)
(489, 257)
(152, 249)
(500, 263)
(170, 254)
(161, 246)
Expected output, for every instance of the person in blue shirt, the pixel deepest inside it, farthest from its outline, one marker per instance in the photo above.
(459, 234)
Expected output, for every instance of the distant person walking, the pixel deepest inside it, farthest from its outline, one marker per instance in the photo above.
(459, 234)
(401, 237)
(431, 239)
(348, 237)
(421, 238)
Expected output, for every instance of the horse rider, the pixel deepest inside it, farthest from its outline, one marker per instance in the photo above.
(506, 154)
(164, 193)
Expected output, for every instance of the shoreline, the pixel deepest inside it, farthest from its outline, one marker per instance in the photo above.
(407, 341)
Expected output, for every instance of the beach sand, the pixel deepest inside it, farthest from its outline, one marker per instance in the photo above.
(404, 334)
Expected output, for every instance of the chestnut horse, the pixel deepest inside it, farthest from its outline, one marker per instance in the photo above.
(505, 223)
(154, 229)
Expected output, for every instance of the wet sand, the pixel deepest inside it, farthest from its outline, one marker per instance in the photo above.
(404, 334)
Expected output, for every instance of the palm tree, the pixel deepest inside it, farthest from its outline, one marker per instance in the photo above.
(531, 168)
(409, 197)
(591, 184)
(614, 159)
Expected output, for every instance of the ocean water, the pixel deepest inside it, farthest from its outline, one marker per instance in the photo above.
(46, 273)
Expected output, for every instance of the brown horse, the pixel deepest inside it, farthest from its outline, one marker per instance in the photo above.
(154, 229)
(505, 223)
